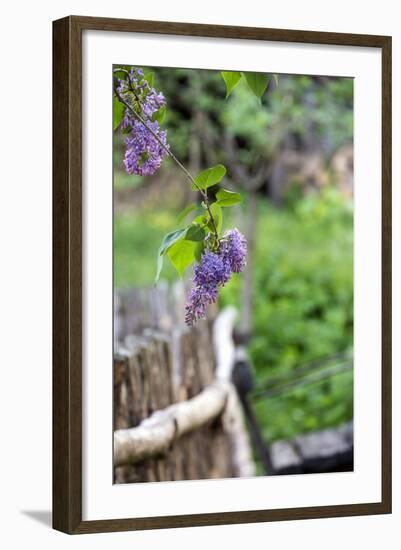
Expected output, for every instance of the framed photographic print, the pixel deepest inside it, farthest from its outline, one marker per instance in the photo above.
(221, 274)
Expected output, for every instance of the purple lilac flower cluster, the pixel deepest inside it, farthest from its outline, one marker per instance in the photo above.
(234, 247)
(214, 271)
(144, 153)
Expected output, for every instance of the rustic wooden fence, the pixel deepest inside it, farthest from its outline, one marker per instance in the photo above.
(182, 398)
(176, 412)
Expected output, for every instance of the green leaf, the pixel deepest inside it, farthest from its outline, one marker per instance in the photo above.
(201, 220)
(167, 242)
(170, 239)
(195, 233)
(275, 76)
(127, 129)
(199, 248)
(184, 213)
(217, 212)
(231, 79)
(227, 198)
(210, 176)
(257, 82)
(118, 112)
(149, 77)
(182, 254)
(159, 267)
(160, 114)
(122, 75)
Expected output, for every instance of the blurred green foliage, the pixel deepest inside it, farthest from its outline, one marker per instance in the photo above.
(302, 307)
(299, 109)
(303, 266)
(137, 238)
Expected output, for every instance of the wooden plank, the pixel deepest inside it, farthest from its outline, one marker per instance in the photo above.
(325, 451)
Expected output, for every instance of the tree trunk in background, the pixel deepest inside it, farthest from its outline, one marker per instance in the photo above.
(247, 287)
(194, 146)
(194, 143)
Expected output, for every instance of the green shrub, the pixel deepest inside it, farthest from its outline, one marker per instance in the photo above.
(303, 308)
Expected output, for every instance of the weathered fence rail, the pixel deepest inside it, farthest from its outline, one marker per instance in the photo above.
(156, 434)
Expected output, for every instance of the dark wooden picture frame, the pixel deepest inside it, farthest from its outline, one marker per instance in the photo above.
(67, 274)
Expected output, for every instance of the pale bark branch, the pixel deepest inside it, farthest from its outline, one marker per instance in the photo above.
(156, 434)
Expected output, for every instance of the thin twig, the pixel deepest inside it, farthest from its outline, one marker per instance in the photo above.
(305, 369)
(311, 379)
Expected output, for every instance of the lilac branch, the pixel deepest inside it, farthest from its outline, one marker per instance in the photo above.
(170, 153)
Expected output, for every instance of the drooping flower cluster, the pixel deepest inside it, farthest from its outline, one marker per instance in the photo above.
(144, 153)
(234, 247)
(214, 271)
